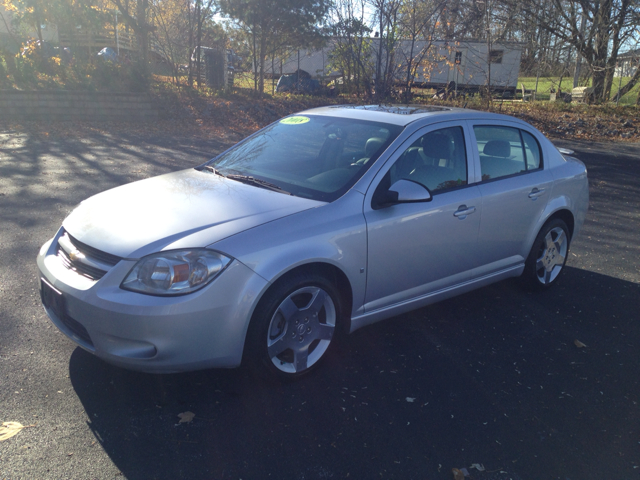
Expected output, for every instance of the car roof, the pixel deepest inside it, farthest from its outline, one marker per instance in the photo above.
(403, 115)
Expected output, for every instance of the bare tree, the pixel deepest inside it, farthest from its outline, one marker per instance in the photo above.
(418, 23)
(608, 24)
(386, 14)
(352, 46)
(171, 19)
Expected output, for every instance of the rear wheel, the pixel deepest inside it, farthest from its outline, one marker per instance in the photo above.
(294, 325)
(548, 255)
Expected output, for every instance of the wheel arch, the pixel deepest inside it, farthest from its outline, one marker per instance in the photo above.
(330, 272)
(567, 217)
(559, 207)
(562, 212)
(333, 273)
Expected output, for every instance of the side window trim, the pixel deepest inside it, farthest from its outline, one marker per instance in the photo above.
(535, 139)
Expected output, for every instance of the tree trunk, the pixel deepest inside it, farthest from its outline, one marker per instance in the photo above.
(263, 54)
(191, 42)
(254, 52)
(143, 34)
(409, 81)
(379, 59)
(198, 42)
(601, 49)
(139, 25)
(615, 46)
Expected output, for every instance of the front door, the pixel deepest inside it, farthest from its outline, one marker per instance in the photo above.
(418, 248)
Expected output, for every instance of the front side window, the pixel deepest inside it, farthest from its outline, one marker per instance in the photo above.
(436, 160)
(506, 151)
(315, 157)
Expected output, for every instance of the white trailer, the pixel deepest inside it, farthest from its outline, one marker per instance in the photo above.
(463, 65)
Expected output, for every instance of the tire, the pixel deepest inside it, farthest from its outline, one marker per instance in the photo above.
(294, 325)
(548, 255)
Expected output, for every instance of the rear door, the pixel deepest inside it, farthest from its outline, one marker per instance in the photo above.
(515, 188)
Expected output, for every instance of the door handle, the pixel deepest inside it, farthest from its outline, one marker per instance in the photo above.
(463, 211)
(535, 193)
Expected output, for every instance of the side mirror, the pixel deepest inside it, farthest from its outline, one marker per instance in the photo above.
(407, 191)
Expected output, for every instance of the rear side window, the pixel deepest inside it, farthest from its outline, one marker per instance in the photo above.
(506, 151)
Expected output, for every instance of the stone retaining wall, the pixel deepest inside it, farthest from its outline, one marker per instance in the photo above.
(17, 105)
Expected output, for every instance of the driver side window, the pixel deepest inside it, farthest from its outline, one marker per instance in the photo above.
(437, 160)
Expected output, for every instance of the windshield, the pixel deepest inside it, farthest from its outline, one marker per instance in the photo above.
(309, 156)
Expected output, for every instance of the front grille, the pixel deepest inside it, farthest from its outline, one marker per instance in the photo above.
(80, 268)
(83, 259)
(76, 328)
(94, 252)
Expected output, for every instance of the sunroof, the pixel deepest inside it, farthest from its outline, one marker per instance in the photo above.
(397, 109)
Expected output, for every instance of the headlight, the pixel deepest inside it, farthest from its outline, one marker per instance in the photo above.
(175, 273)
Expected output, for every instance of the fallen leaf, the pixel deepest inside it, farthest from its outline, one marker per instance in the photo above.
(579, 344)
(457, 474)
(478, 466)
(9, 429)
(186, 417)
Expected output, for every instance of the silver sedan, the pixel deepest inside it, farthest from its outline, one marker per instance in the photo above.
(321, 223)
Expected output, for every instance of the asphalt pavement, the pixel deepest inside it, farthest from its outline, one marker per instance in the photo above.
(492, 379)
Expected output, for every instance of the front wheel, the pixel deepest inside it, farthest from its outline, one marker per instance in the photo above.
(294, 325)
(548, 255)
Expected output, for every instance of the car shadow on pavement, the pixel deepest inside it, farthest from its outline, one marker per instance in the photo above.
(530, 385)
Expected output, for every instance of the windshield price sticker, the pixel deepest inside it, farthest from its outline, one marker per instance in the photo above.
(297, 120)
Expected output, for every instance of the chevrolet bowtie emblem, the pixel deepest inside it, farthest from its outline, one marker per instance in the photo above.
(76, 255)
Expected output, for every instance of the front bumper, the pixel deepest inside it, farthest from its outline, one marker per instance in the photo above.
(204, 329)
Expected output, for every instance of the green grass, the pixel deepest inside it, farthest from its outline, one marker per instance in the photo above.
(545, 84)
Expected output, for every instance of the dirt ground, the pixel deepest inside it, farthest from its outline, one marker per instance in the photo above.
(190, 114)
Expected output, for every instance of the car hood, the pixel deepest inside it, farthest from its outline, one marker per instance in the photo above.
(186, 209)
